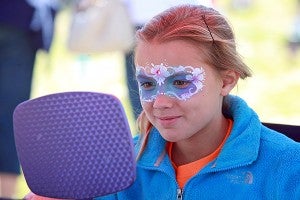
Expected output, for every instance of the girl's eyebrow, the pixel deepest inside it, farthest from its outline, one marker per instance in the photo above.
(144, 76)
(180, 73)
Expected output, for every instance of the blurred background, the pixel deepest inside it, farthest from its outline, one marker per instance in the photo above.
(264, 33)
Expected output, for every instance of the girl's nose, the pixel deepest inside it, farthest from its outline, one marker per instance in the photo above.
(163, 101)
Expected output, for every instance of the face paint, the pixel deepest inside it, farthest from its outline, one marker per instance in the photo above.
(180, 82)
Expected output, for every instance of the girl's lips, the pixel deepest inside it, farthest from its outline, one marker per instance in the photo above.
(167, 118)
(168, 121)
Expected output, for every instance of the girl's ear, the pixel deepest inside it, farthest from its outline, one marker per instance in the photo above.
(229, 79)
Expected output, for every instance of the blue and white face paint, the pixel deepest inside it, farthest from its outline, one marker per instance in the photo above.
(180, 82)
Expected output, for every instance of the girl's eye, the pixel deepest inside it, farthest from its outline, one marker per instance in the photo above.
(147, 85)
(181, 83)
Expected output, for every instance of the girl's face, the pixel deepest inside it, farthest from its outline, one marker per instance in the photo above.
(180, 94)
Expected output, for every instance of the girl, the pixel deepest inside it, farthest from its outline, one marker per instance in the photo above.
(197, 141)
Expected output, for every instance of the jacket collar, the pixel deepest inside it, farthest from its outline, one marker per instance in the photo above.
(241, 147)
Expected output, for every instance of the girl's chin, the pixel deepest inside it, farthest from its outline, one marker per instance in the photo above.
(169, 135)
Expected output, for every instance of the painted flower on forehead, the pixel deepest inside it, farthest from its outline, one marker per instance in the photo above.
(160, 73)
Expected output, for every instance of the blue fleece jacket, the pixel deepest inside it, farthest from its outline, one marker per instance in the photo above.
(254, 163)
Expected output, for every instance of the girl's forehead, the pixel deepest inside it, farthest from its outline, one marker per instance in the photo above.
(172, 53)
(166, 66)
(153, 64)
(163, 71)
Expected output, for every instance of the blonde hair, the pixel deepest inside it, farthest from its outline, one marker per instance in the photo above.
(203, 27)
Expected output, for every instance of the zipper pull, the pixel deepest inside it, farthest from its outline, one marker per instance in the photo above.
(179, 194)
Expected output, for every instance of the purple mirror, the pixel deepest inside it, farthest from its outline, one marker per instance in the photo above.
(74, 145)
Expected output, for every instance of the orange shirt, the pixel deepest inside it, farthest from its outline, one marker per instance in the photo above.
(185, 172)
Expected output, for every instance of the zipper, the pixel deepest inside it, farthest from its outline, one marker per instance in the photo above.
(179, 191)
(179, 194)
